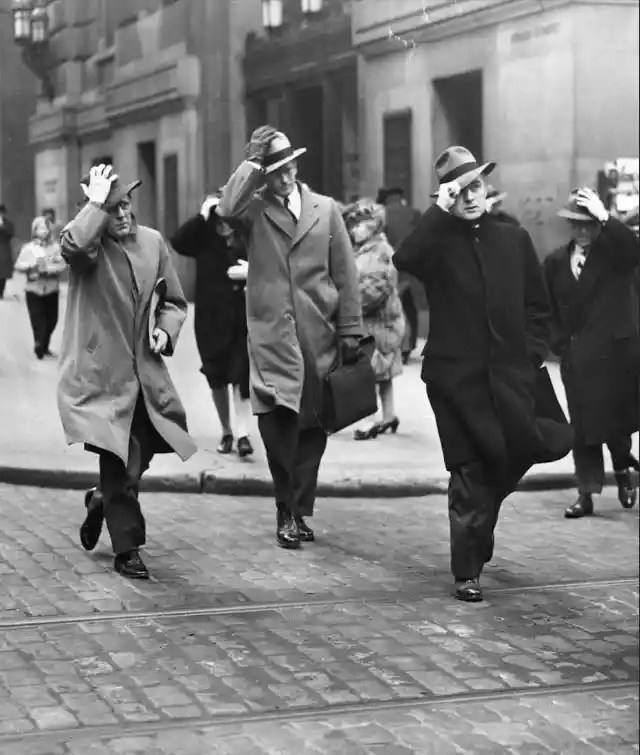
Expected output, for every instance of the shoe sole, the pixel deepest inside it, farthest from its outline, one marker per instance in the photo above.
(290, 546)
(131, 576)
(470, 599)
(91, 529)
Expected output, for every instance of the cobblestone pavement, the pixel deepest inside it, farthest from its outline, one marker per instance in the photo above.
(352, 646)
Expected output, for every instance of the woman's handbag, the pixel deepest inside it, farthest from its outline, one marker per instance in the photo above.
(350, 391)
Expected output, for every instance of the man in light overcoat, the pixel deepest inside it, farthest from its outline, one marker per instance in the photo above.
(595, 331)
(303, 310)
(125, 309)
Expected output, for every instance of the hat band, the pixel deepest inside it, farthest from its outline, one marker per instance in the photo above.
(276, 157)
(458, 171)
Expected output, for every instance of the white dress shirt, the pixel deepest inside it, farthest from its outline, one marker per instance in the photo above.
(578, 258)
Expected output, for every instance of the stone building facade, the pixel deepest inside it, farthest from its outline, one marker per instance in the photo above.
(154, 86)
(548, 90)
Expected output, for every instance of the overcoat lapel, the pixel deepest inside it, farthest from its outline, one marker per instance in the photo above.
(280, 218)
(308, 215)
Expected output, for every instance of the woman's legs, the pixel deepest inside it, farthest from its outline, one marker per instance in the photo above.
(242, 410)
(385, 390)
(221, 401)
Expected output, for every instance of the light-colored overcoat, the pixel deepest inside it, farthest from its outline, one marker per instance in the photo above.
(302, 292)
(106, 361)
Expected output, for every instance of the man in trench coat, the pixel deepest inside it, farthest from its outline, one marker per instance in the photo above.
(125, 308)
(483, 360)
(303, 308)
(592, 283)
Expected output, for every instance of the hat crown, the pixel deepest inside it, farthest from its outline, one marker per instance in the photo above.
(453, 159)
(279, 143)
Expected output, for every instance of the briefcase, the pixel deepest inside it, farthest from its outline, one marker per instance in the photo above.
(350, 391)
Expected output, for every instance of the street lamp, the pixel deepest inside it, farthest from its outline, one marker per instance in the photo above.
(31, 33)
(272, 14)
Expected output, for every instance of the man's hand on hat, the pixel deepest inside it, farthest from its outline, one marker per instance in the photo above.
(209, 203)
(259, 143)
(447, 195)
(591, 202)
(101, 177)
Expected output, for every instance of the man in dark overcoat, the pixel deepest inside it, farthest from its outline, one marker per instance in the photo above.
(483, 360)
(303, 313)
(125, 309)
(6, 252)
(592, 283)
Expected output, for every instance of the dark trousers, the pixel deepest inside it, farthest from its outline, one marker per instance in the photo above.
(119, 484)
(589, 462)
(43, 313)
(294, 455)
(411, 318)
(3, 283)
(476, 493)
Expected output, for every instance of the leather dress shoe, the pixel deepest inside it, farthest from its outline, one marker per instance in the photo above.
(627, 488)
(131, 565)
(582, 507)
(307, 535)
(469, 590)
(287, 531)
(92, 526)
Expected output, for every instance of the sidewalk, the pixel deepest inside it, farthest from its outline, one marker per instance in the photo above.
(33, 450)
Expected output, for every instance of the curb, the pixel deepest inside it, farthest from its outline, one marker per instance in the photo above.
(214, 483)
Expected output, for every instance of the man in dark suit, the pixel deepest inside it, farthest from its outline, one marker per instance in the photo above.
(595, 332)
(487, 341)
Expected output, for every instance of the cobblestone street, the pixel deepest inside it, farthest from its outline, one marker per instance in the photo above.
(352, 646)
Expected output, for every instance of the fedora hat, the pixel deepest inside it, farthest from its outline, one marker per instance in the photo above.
(573, 211)
(458, 164)
(279, 153)
(118, 191)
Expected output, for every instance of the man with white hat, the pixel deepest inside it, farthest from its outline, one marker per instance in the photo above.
(303, 315)
(592, 282)
(483, 361)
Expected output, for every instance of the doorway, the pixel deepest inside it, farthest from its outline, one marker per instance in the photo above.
(457, 113)
(307, 113)
(147, 194)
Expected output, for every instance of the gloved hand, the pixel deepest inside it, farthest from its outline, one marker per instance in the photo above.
(447, 195)
(211, 201)
(259, 143)
(100, 179)
(238, 272)
(591, 202)
(349, 349)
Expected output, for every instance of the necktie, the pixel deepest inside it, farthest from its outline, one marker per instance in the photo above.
(287, 207)
(582, 258)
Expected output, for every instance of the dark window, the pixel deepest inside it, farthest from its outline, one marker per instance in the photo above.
(397, 149)
(171, 208)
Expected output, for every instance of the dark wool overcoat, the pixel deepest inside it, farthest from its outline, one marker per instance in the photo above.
(220, 321)
(489, 324)
(6, 252)
(106, 362)
(595, 332)
(302, 292)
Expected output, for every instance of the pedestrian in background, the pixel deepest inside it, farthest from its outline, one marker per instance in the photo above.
(382, 315)
(125, 309)
(40, 260)
(303, 311)
(220, 316)
(6, 253)
(400, 220)
(483, 362)
(595, 331)
(495, 200)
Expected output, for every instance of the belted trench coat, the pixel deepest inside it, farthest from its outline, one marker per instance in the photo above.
(488, 337)
(302, 293)
(106, 361)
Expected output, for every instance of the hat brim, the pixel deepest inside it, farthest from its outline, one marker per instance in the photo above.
(466, 178)
(121, 193)
(585, 217)
(293, 156)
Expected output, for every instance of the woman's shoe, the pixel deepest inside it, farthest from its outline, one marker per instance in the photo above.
(392, 425)
(244, 447)
(226, 445)
(369, 434)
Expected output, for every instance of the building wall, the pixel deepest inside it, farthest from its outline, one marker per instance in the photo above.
(17, 103)
(560, 96)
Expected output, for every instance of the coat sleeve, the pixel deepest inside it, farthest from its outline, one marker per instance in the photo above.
(79, 238)
(624, 244)
(343, 272)
(537, 308)
(421, 249)
(191, 238)
(173, 309)
(557, 337)
(240, 190)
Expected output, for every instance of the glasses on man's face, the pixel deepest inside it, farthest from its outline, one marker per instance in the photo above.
(122, 207)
